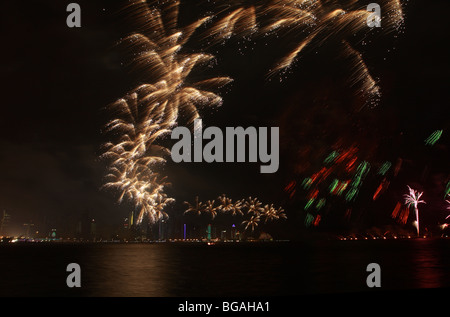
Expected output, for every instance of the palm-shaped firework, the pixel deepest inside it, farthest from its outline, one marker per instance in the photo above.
(236, 208)
(250, 207)
(311, 24)
(253, 206)
(270, 213)
(137, 128)
(225, 203)
(325, 20)
(252, 222)
(413, 199)
(165, 70)
(155, 210)
(196, 207)
(210, 208)
(152, 109)
(133, 157)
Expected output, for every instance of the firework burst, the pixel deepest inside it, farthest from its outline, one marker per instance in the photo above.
(165, 69)
(210, 208)
(413, 199)
(225, 203)
(196, 207)
(253, 206)
(252, 222)
(325, 20)
(270, 213)
(150, 110)
(311, 24)
(240, 22)
(134, 156)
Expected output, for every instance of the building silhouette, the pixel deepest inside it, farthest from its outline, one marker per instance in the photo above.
(86, 227)
(4, 223)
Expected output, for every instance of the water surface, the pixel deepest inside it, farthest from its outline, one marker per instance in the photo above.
(231, 269)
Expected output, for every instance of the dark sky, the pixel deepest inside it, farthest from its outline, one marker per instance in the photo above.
(57, 81)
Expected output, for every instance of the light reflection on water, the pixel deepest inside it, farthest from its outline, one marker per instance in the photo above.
(431, 267)
(165, 270)
(127, 270)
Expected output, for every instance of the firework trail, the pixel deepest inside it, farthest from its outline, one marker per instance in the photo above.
(138, 129)
(326, 20)
(253, 206)
(448, 206)
(252, 222)
(150, 110)
(250, 207)
(332, 179)
(210, 209)
(396, 211)
(309, 219)
(312, 24)
(133, 157)
(434, 137)
(399, 213)
(270, 213)
(240, 22)
(381, 188)
(384, 168)
(342, 175)
(413, 199)
(158, 58)
(447, 189)
(355, 185)
(237, 208)
(144, 188)
(196, 207)
(225, 203)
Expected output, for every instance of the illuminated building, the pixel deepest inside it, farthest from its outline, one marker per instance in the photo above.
(162, 226)
(208, 232)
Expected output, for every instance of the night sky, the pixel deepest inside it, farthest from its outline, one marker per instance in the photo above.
(58, 80)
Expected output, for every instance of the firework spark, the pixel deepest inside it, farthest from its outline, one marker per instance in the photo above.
(158, 57)
(413, 199)
(133, 157)
(434, 137)
(226, 204)
(196, 207)
(237, 208)
(250, 208)
(326, 20)
(210, 209)
(270, 213)
(239, 22)
(143, 187)
(447, 189)
(153, 108)
(253, 206)
(252, 222)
